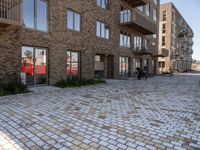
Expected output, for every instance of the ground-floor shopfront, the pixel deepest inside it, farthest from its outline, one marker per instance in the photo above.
(38, 66)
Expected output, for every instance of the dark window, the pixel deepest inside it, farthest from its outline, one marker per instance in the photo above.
(164, 28)
(164, 15)
(163, 40)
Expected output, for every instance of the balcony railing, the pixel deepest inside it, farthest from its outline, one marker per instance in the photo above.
(190, 52)
(190, 43)
(135, 3)
(10, 13)
(163, 52)
(137, 22)
(148, 49)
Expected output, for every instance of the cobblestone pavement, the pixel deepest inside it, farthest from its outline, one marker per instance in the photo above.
(158, 113)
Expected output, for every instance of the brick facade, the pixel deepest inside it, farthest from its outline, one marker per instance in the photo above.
(180, 51)
(58, 40)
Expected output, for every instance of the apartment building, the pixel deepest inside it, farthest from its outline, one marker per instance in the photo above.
(177, 37)
(48, 40)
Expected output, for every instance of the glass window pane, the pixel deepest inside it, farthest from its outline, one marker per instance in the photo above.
(28, 13)
(42, 15)
(77, 22)
(99, 3)
(40, 66)
(98, 29)
(102, 30)
(70, 19)
(107, 33)
(74, 57)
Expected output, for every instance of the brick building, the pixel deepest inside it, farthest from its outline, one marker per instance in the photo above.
(176, 36)
(49, 40)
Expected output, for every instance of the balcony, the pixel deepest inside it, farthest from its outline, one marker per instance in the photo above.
(175, 55)
(149, 49)
(163, 52)
(190, 43)
(190, 34)
(190, 52)
(137, 22)
(10, 13)
(135, 3)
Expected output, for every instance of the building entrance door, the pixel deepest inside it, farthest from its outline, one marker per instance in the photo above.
(33, 66)
(110, 66)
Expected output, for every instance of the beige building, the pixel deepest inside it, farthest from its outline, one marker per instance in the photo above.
(176, 36)
(47, 40)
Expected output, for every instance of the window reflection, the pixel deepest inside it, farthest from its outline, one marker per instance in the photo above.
(35, 14)
(73, 64)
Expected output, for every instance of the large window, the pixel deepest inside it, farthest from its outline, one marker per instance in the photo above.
(125, 39)
(33, 66)
(73, 20)
(164, 15)
(137, 43)
(103, 3)
(148, 9)
(123, 66)
(141, 8)
(154, 15)
(102, 30)
(156, 2)
(73, 65)
(35, 14)
(125, 15)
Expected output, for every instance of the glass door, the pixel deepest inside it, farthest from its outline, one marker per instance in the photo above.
(27, 65)
(123, 66)
(40, 66)
(73, 67)
(34, 66)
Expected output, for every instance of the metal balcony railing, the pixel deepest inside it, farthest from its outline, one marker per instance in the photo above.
(10, 13)
(144, 49)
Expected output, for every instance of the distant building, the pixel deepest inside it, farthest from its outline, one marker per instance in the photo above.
(176, 36)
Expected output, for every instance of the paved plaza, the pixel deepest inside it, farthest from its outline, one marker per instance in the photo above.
(158, 113)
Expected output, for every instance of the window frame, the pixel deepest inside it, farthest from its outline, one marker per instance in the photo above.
(164, 15)
(148, 9)
(107, 7)
(126, 38)
(73, 22)
(35, 14)
(106, 28)
(155, 14)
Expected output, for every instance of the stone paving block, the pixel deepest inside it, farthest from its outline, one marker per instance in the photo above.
(124, 114)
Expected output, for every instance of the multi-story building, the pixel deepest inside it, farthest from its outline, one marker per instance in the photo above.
(176, 36)
(49, 40)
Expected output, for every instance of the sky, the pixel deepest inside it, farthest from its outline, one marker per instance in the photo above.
(190, 10)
